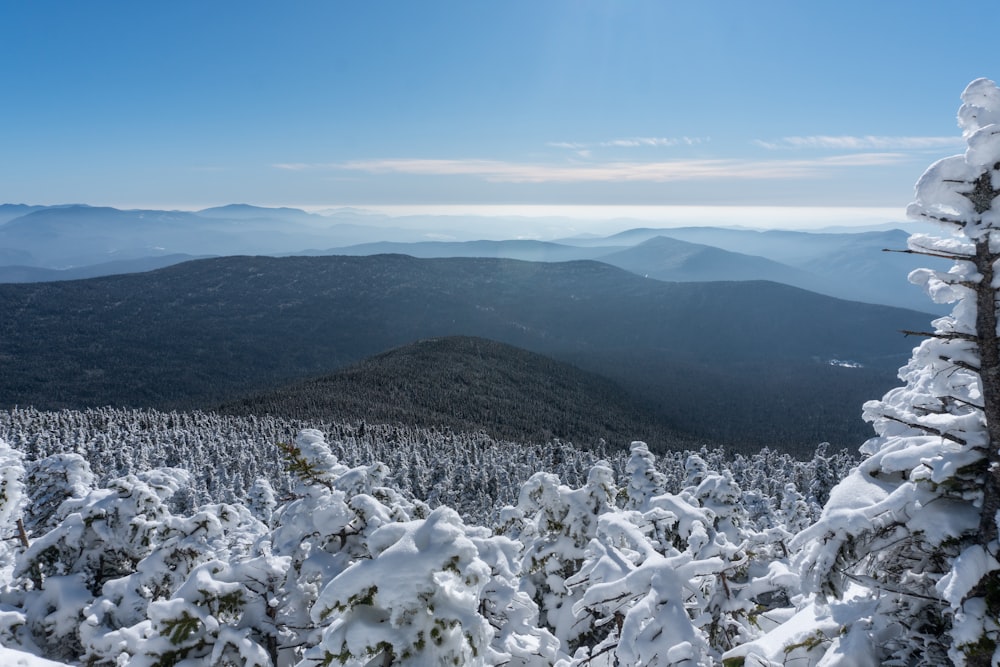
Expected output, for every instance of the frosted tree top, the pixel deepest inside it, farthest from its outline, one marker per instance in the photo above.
(958, 191)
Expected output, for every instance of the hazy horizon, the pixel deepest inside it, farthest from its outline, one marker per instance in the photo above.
(582, 219)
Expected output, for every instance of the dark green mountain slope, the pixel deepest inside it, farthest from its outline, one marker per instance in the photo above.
(749, 359)
(471, 384)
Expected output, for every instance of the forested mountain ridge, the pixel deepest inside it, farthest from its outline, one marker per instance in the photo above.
(472, 384)
(196, 334)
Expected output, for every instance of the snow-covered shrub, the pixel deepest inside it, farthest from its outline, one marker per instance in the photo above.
(115, 624)
(559, 524)
(103, 536)
(416, 601)
(53, 480)
(12, 503)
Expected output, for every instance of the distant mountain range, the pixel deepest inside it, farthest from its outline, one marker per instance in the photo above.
(852, 266)
(33, 274)
(40, 243)
(60, 237)
(746, 363)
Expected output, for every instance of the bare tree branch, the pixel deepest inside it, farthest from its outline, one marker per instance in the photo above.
(928, 429)
(950, 335)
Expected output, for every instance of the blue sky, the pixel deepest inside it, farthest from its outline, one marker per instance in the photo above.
(471, 103)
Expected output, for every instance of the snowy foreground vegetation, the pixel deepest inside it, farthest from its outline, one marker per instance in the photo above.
(135, 539)
(285, 523)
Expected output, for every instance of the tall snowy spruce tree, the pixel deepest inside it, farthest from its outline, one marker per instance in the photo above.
(904, 559)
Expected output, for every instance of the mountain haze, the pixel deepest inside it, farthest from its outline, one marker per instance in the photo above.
(852, 266)
(60, 237)
(846, 265)
(33, 274)
(666, 258)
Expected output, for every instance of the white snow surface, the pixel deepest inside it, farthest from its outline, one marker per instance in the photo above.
(13, 658)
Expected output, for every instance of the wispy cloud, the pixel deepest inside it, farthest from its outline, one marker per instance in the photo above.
(569, 145)
(635, 142)
(630, 142)
(499, 171)
(868, 142)
(299, 166)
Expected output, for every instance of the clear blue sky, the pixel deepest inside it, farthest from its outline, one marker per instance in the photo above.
(194, 103)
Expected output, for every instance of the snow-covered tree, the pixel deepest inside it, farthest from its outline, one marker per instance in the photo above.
(219, 616)
(674, 583)
(508, 608)
(53, 480)
(196, 587)
(559, 524)
(12, 537)
(12, 502)
(325, 530)
(261, 500)
(907, 544)
(416, 601)
(644, 480)
(103, 536)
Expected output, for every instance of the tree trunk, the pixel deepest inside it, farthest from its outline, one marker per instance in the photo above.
(989, 378)
(989, 374)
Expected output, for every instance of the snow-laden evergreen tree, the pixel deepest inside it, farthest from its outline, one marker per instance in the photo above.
(12, 538)
(53, 480)
(220, 616)
(508, 608)
(822, 477)
(325, 530)
(103, 536)
(675, 582)
(644, 480)
(559, 524)
(202, 583)
(643, 605)
(261, 500)
(904, 559)
(416, 601)
(383, 579)
(12, 503)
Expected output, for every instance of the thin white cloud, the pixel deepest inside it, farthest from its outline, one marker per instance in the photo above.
(499, 171)
(296, 166)
(865, 159)
(635, 142)
(630, 142)
(868, 142)
(566, 144)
